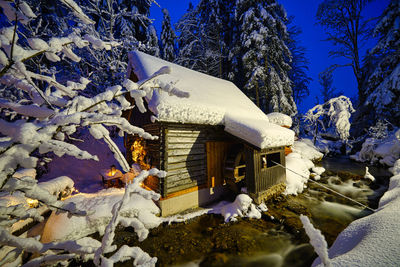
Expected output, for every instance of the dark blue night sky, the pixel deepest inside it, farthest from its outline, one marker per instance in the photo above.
(311, 38)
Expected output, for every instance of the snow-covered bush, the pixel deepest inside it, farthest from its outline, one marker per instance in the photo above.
(331, 117)
(46, 116)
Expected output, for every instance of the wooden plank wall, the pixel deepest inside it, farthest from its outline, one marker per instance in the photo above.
(259, 179)
(185, 155)
(181, 152)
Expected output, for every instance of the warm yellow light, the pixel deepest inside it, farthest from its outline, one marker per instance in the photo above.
(32, 202)
(111, 172)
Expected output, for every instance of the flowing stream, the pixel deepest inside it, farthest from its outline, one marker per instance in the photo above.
(277, 239)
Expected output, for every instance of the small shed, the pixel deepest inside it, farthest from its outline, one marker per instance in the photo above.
(208, 142)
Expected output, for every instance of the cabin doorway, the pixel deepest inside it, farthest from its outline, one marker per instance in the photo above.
(216, 155)
(226, 165)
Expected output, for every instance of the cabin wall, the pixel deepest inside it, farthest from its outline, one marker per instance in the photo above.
(185, 156)
(260, 176)
(182, 150)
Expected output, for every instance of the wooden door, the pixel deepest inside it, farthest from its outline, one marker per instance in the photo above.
(216, 155)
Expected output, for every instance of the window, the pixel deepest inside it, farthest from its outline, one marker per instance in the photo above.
(272, 158)
(268, 160)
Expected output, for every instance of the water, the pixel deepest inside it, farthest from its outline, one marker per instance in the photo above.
(277, 239)
(344, 164)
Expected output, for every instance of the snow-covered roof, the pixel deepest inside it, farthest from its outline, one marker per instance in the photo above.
(212, 101)
(280, 119)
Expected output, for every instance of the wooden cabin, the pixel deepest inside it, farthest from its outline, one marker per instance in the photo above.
(210, 143)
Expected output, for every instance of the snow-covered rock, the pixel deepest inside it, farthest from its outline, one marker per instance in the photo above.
(368, 175)
(243, 206)
(384, 151)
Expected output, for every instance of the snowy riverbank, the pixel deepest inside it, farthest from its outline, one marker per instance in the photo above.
(373, 240)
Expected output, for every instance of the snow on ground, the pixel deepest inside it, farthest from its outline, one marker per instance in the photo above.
(211, 101)
(306, 149)
(299, 163)
(61, 226)
(84, 173)
(243, 206)
(373, 240)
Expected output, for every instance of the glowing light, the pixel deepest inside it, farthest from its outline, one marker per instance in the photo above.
(138, 150)
(111, 172)
(33, 203)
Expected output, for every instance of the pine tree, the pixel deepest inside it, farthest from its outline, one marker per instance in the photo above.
(384, 83)
(299, 65)
(167, 38)
(265, 58)
(326, 81)
(152, 46)
(189, 41)
(246, 42)
(205, 35)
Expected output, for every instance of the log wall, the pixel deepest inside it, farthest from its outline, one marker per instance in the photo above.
(185, 155)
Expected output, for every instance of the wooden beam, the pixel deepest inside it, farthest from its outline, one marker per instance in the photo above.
(184, 191)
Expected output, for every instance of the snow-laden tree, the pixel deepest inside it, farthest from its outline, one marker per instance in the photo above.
(189, 41)
(264, 55)
(44, 120)
(331, 117)
(123, 22)
(205, 34)
(383, 87)
(167, 38)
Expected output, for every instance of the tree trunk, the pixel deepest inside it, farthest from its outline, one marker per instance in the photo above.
(257, 96)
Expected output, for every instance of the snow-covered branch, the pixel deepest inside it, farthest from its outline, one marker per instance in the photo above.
(50, 107)
(126, 252)
(337, 111)
(317, 240)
